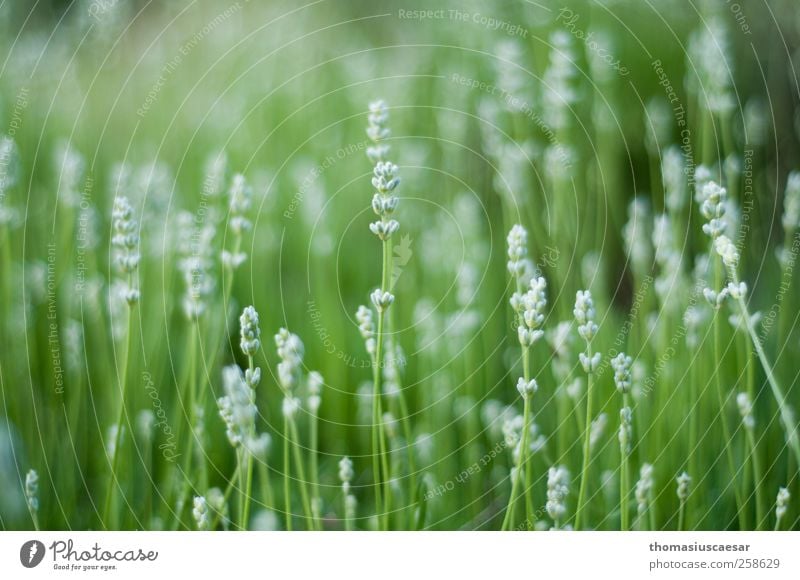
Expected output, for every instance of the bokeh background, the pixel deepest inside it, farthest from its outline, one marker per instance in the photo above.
(555, 116)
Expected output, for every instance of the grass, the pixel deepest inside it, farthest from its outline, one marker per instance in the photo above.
(582, 238)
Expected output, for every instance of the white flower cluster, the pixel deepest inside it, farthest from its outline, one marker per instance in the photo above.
(346, 475)
(746, 411)
(597, 429)
(527, 388)
(530, 311)
(240, 198)
(384, 202)
(126, 243)
(643, 488)
(249, 332)
(290, 351)
(366, 327)
(684, 481)
(314, 383)
(781, 504)
(381, 299)
(517, 250)
(587, 329)
(200, 513)
(557, 491)
(237, 407)
(714, 198)
(622, 372)
(377, 131)
(32, 490)
(625, 429)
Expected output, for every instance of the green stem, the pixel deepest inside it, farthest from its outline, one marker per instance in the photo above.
(587, 428)
(287, 498)
(758, 479)
(112, 483)
(786, 414)
(726, 432)
(301, 475)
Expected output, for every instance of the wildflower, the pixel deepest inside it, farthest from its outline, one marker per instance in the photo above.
(625, 429)
(315, 382)
(746, 410)
(638, 246)
(791, 204)
(517, 249)
(240, 198)
(713, 209)
(781, 505)
(644, 487)
(200, 513)
(377, 130)
(126, 242)
(384, 202)
(557, 491)
(584, 315)
(237, 407)
(290, 407)
(715, 299)
(290, 351)
(622, 372)
(381, 300)
(527, 388)
(530, 307)
(727, 251)
(346, 473)
(367, 328)
(249, 331)
(32, 490)
(684, 480)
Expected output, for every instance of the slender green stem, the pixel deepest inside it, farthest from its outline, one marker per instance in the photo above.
(226, 496)
(681, 515)
(287, 498)
(758, 480)
(123, 377)
(786, 415)
(348, 522)
(587, 428)
(726, 432)
(266, 485)
(301, 475)
(314, 436)
(380, 461)
(187, 458)
(248, 482)
(624, 485)
(520, 466)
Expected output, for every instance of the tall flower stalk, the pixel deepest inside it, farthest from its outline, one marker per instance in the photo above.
(126, 245)
(587, 329)
(529, 313)
(290, 351)
(622, 379)
(384, 204)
